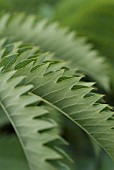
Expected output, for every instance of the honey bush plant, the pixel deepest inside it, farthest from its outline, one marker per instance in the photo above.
(55, 90)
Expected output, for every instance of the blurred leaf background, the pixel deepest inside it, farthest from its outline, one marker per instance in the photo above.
(94, 20)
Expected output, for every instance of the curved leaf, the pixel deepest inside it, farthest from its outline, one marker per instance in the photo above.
(63, 90)
(34, 128)
(75, 101)
(64, 44)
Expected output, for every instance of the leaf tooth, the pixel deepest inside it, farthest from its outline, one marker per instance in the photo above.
(6, 76)
(19, 91)
(52, 77)
(71, 95)
(36, 73)
(28, 22)
(4, 21)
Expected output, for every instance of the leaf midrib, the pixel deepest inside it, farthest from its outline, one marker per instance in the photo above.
(75, 122)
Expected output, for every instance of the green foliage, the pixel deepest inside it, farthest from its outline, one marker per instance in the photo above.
(24, 5)
(29, 124)
(44, 99)
(59, 41)
(58, 88)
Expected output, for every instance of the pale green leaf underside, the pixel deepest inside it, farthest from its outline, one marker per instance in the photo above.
(66, 93)
(33, 130)
(77, 102)
(51, 38)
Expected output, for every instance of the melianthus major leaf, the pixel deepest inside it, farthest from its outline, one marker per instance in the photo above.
(93, 19)
(51, 38)
(63, 90)
(75, 101)
(33, 127)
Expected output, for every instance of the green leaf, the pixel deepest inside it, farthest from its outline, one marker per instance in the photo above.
(75, 101)
(94, 20)
(64, 44)
(63, 90)
(33, 127)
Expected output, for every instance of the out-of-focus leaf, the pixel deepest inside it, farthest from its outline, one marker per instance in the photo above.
(11, 154)
(93, 19)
